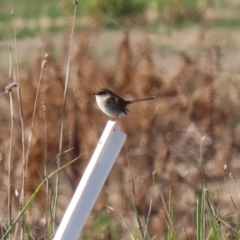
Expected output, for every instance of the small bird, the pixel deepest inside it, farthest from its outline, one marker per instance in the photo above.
(113, 105)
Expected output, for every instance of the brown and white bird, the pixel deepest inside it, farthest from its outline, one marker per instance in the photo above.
(112, 104)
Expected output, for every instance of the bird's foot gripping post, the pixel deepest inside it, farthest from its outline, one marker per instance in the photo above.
(91, 183)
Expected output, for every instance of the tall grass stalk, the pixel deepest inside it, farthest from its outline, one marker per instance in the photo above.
(140, 227)
(22, 197)
(231, 198)
(201, 161)
(169, 220)
(150, 207)
(200, 218)
(11, 141)
(44, 63)
(236, 216)
(47, 207)
(214, 230)
(234, 181)
(63, 118)
(124, 219)
(8, 90)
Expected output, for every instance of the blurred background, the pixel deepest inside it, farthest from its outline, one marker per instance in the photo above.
(185, 53)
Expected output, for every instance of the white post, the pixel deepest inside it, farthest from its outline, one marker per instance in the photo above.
(91, 183)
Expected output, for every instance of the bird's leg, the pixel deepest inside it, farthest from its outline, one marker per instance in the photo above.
(116, 119)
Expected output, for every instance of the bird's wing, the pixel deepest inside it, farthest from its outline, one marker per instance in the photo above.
(121, 103)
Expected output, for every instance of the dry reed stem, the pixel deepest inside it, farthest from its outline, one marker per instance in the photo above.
(21, 119)
(150, 205)
(47, 208)
(63, 118)
(11, 141)
(43, 65)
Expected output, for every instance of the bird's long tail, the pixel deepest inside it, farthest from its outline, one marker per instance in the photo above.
(141, 100)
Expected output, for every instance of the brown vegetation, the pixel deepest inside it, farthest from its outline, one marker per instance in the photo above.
(164, 135)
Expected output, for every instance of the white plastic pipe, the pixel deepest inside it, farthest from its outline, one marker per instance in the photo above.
(91, 183)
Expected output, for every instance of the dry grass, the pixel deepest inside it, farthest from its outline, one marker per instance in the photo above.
(163, 136)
